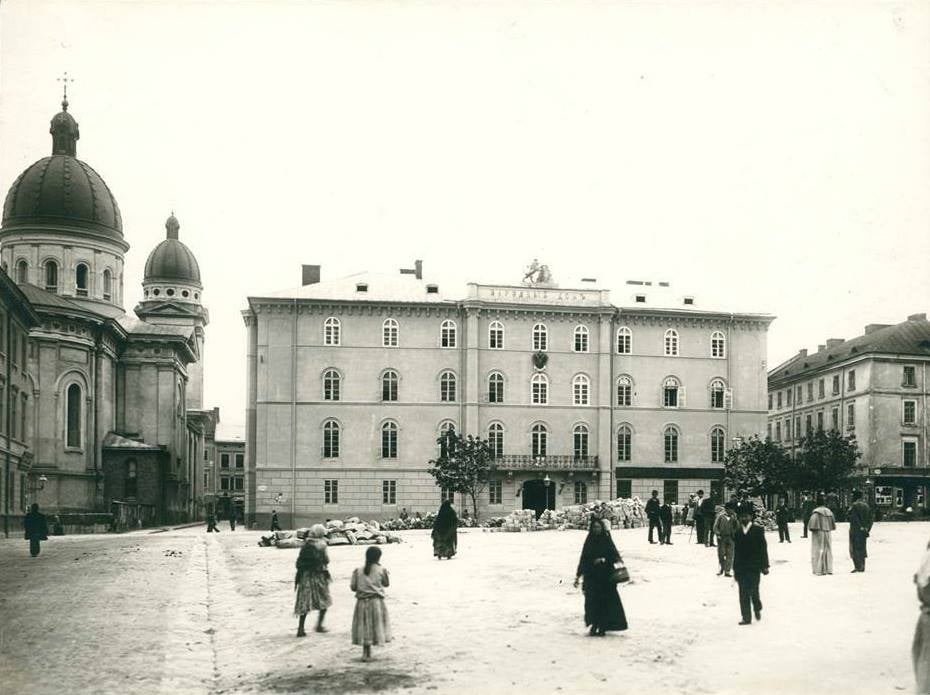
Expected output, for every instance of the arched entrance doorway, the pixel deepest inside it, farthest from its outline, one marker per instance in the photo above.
(538, 496)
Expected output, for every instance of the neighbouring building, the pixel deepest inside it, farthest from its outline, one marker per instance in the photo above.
(874, 389)
(231, 473)
(350, 382)
(104, 394)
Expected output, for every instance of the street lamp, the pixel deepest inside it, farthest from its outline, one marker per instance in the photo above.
(547, 481)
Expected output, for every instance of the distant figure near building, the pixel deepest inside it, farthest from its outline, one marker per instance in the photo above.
(232, 520)
(211, 522)
(699, 518)
(275, 526)
(445, 531)
(821, 525)
(665, 518)
(725, 526)
(920, 650)
(312, 580)
(603, 610)
(781, 518)
(36, 528)
(403, 514)
(806, 508)
(860, 524)
(750, 559)
(652, 513)
(370, 623)
(708, 513)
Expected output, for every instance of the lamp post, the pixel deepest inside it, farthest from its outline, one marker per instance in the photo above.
(36, 485)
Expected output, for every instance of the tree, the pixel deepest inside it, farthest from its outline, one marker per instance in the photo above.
(463, 465)
(757, 467)
(826, 462)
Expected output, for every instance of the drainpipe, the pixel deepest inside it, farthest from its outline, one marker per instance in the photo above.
(6, 398)
(294, 419)
(611, 394)
(96, 414)
(728, 347)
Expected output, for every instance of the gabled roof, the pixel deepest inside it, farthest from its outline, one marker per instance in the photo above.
(379, 287)
(911, 337)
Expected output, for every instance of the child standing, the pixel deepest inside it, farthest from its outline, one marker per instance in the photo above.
(312, 580)
(370, 624)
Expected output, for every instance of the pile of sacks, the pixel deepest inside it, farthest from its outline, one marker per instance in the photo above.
(619, 513)
(411, 522)
(352, 531)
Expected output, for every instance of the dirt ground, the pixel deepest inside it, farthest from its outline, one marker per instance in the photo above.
(188, 612)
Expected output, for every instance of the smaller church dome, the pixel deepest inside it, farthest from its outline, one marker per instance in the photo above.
(171, 260)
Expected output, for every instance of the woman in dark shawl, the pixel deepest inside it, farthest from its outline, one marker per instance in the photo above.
(445, 531)
(603, 610)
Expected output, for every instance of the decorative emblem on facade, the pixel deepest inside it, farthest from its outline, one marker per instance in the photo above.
(537, 275)
(540, 360)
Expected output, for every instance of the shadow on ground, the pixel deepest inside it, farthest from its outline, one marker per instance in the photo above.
(348, 680)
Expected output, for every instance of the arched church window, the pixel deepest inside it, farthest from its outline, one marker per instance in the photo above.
(51, 276)
(80, 280)
(22, 272)
(108, 284)
(73, 416)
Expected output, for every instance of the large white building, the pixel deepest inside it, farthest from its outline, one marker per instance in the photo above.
(352, 380)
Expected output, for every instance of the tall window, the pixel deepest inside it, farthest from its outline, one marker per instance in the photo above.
(540, 337)
(444, 429)
(496, 439)
(131, 478)
(80, 280)
(389, 385)
(389, 492)
(51, 276)
(22, 272)
(330, 440)
(447, 387)
(670, 393)
(718, 345)
(539, 439)
(717, 391)
(810, 391)
(835, 419)
(330, 492)
(447, 334)
(580, 441)
(851, 416)
(495, 492)
(671, 343)
(836, 384)
(910, 376)
(331, 384)
(581, 339)
(240, 460)
(624, 340)
(624, 391)
(909, 453)
(820, 421)
(777, 431)
(73, 419)
(581, 387)
(624, 443)
(14, 397)
(808, 425)
(671, 445)
(910, 413)
(820, 389)
(496, 335)
(224, 460)
(581, 492)
(389, 440)
(540, 389)
(389, 333)
(851, 380)
(496, 388)
(717, 445)
(332, 331)
(23, 419)
(107, 284)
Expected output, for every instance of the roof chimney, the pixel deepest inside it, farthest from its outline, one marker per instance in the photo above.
(418, 269)
(833, 342)
(821, 348)
(917, 317)
(310, 275)
(872, 327)
(802, 352)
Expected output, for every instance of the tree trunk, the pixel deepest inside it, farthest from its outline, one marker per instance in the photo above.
(474, 506)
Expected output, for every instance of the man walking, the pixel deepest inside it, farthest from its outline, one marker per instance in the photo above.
(699, 518)
(36, 528)
(708, 512)
(665, 518)
(275, 525)
(860, 524)
(652, 513)
(807, 507)
(781, 518)
(232, 519)
(750, 559)
(725, 529)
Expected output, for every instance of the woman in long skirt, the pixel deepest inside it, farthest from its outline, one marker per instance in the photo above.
(821, 525)
(920, 650)
(312, 580)
(370, 624)
(603, 610)
(445, 531)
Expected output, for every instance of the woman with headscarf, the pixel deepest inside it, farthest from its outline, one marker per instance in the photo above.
(603, 610)
(312, 580)
(445, 531)
(920, 650)
(821, 525)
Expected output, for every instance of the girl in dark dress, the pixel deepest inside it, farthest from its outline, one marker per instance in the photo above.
(603, 610)
(445, 531)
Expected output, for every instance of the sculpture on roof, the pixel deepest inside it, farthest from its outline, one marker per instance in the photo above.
(537, 275)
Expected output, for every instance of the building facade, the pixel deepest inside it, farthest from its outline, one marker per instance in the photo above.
(230, 474)
(350, 382)
(106, 392)
(873, 389)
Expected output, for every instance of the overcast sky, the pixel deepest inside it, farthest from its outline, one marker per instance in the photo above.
(768, 157)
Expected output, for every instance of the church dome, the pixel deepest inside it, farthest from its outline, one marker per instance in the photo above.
(171, 260)
(61, 190)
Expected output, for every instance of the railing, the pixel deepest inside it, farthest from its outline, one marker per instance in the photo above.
(521, 462)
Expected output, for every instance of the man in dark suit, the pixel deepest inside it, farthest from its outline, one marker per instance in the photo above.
(750, 559)
(652, 513)
(807, 507)
(699, 518)
(708, 512)
(860, 524)
(665, 518)
(781, 518)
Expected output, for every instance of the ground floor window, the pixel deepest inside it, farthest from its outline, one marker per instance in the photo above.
(581, 492)
(389, 492)
(495, 492)
(330, 492)
(625, 489)
(883, 495)
(670, 491)
(909, 453)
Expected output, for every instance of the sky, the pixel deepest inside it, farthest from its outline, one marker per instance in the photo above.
(766, 157)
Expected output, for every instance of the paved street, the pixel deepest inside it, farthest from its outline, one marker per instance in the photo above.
(187, 612)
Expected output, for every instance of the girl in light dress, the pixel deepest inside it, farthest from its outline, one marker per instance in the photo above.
(370, 624)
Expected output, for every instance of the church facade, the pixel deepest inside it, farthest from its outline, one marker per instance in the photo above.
(107, 393)
(351, 381)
